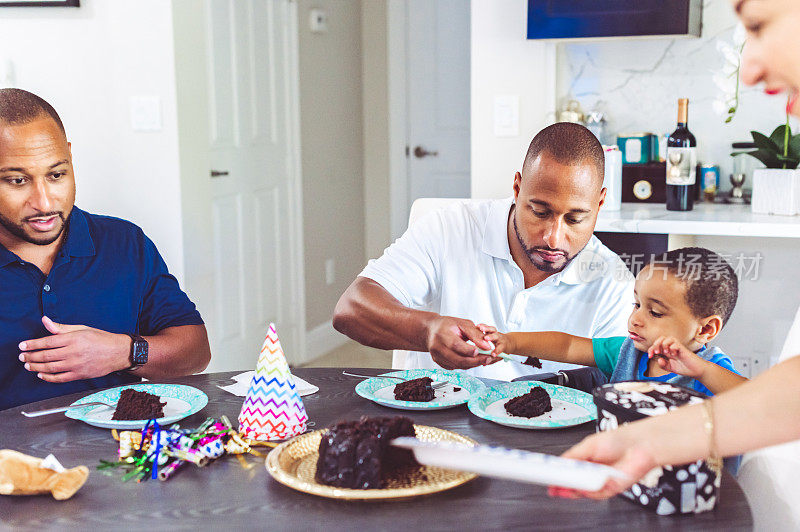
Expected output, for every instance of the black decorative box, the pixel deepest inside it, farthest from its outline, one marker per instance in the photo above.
(644, 183)
(679, 489)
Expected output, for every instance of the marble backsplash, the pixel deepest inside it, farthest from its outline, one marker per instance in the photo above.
(638, 82)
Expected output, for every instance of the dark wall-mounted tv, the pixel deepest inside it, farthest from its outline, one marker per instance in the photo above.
(578, 19)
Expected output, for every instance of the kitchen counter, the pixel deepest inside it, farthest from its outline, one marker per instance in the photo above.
(706, 219)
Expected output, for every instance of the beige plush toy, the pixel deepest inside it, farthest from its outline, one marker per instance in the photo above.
(21, 474)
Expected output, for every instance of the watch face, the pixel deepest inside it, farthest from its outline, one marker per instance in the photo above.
(139, 353)
(642, 189)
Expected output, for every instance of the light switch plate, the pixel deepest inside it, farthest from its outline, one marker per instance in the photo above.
(146, 113)
(506, 116)
(330, 271)
(318, 20)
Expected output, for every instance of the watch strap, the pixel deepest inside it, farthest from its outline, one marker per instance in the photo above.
(135, 338)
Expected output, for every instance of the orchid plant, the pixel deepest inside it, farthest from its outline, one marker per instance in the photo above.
(727, 79)
(778, 150)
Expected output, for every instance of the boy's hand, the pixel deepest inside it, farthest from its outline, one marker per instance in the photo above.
(489, 330)
(502, 342)
(674, 357)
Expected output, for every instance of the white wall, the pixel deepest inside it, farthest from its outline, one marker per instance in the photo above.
(88, 62)
(332, 153)
(191, 84)
(504, 62)
(375, 100)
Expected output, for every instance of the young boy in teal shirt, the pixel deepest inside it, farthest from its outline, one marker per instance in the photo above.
(682, 300)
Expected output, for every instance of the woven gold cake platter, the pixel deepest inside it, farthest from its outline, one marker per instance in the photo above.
(294, 463)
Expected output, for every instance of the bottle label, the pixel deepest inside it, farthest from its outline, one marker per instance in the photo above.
(681, 166)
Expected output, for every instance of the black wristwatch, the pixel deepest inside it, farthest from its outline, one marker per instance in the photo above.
(139, 349)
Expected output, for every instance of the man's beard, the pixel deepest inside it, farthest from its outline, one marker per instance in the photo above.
(530, 252)
(18, 230)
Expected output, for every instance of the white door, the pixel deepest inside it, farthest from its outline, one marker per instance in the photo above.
(253, 204)
(438, 74)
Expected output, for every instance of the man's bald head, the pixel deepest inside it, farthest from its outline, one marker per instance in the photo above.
(19, 106)
(569, 144)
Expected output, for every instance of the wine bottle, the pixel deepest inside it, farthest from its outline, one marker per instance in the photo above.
(681, 163)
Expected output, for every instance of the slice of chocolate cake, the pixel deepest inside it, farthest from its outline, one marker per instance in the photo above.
(357, 454)
(138, 405)
(534, 403)
(419, 390)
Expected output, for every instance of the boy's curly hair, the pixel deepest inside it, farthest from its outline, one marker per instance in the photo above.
(711, 283)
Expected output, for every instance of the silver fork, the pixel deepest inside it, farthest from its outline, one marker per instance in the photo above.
(38, 413)
(435, 385)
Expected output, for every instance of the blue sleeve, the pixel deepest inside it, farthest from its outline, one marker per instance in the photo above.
(606, 353)
(164, 304)
(722, 360)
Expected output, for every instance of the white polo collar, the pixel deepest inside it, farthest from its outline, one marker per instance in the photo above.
(495, 232)
(586, 267)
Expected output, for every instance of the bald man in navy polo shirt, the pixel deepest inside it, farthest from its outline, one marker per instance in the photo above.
(86, 301)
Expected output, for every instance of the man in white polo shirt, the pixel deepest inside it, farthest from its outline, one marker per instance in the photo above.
(525, 263)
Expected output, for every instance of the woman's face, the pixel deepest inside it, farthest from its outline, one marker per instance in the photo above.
(772, 51)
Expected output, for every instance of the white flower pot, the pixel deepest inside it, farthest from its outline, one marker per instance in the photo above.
(776, 191)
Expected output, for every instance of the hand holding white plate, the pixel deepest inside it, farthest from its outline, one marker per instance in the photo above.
(511, 464)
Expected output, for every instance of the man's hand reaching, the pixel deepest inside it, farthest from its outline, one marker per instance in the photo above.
(447, 343)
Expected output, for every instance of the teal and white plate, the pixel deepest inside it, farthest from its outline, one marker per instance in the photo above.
(182, 401)
(381, 389)
(570, 406)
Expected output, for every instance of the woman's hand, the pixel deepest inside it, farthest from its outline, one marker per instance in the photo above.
(619, 448)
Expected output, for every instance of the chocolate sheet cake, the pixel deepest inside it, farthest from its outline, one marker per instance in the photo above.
(138, 405)
(357, 454)
(419, 390)
(532, 404)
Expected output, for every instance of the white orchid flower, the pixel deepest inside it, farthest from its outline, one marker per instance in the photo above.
(727, 50)
(727, 77)
(727, 84)
(720, 107)
(739, 36)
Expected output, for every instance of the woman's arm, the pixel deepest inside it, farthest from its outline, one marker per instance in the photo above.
(761, 412)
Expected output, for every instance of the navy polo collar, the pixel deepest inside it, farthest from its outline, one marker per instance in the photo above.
(6, 257)
(78, 242)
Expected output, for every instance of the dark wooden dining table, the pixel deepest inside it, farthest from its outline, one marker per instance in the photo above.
(225, 494)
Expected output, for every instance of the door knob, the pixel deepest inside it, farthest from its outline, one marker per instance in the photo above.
(219, 173)
(420, 152)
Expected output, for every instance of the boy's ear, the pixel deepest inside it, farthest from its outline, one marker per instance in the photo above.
(709, 329)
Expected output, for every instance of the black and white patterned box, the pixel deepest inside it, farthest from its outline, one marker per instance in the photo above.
(684, 489)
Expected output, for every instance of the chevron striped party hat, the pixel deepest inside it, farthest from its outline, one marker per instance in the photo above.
(272, 408)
